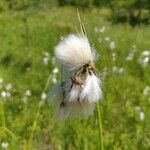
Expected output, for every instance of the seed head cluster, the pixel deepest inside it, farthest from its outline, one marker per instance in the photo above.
(80, 88)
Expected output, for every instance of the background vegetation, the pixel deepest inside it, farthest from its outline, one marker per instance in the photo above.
(29, 31)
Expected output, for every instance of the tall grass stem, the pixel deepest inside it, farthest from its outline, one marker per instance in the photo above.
(100, 126)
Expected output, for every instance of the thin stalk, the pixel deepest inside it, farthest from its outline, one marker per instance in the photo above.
(100, 126)
(2, 114)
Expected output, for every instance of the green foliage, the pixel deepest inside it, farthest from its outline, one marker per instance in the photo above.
(132, 11)
(80, 3)
(25, 4)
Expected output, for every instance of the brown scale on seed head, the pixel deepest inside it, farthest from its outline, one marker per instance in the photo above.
(76, 80)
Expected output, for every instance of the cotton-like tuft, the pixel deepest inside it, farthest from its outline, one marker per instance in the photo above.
(74, 110)
(91, 91)
(73, 52)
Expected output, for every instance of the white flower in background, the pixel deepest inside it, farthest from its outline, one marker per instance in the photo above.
(137, 108)
(112, 45)
(146, 91)
(24, 99)
(55, 70)
(104, 72)
(80, 88)
(114, 56)
(8, 86)
(140, 112)
(43, 96)
(4, 145)
(54, 78)
(46, 54)
(28, 93)
(118, 70)
(5, 94)
(102, 29)
(144, 59)
(142, 116)
(131, 53)
(53, 60)
(46, 58)
(107, 39)
(96, 29)
(1, 80)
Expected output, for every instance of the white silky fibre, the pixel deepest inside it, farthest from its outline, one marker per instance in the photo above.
(92, 91)
(73, 52)
(74, 94)
(55, 94)
(74, 110)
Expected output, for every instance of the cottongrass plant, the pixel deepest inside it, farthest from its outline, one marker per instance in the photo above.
(80, 88)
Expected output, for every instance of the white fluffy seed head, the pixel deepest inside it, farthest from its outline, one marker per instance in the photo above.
(74, 110)
(92, 91)
(75, 98)
(73, 52)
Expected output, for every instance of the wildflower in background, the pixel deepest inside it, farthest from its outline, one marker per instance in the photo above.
(146, 91)
(54, 75)
(1, 80)
(104, 72)
(4, 145)
(43, 96)
(140, 113)
(55, 70)
(24, 99)
(117, 70)
(1, 83)
(112, 45)
(28, 93)
(101, 29)
(131, 53)
(5, 95)
(114, 56)
(80, 87)
(46, 58)
(8, 86)
(53, 60)
(144, 59)
(107, 39)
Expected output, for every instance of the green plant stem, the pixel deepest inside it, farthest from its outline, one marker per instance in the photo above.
(2, 114)
(100, 126)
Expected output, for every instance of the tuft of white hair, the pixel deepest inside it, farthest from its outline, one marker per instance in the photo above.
(92, 91)
(73, 52)
(74, 109)
(56, 93)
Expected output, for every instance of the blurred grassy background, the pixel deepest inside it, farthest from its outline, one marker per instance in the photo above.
(29, 31)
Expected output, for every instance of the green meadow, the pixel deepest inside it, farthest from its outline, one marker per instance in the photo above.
(27, 65)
